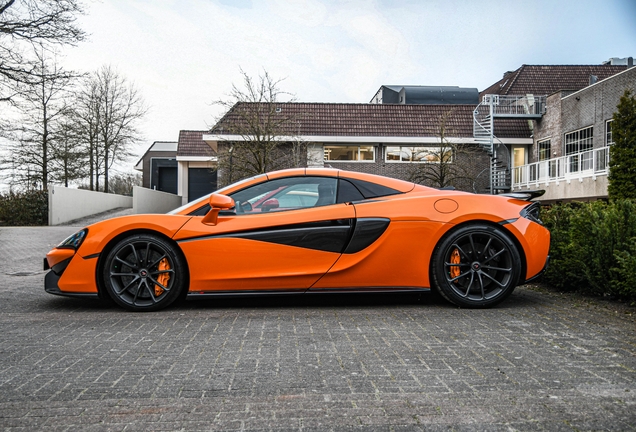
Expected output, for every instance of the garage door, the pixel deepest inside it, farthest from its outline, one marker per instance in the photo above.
(201, 181)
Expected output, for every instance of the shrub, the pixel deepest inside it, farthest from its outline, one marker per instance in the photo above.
(625, 271)
(24, 208)
(593, 247)
(559, 274)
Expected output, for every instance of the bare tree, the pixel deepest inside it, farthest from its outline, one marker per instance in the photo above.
(86, 126)
(122, 183)
(267, 131)
(28, 25)
(69, 155)
(108, 110)
(448, 164)
(36, 136)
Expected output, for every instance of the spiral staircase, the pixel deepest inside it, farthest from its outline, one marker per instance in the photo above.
(505, 107)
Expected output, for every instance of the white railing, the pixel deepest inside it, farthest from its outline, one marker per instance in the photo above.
(516, 106)
(586, 164)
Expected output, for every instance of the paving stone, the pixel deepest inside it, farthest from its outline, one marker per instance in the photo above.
(540, 361)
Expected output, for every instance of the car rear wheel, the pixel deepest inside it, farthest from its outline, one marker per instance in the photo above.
(476, 266)
(144, 272)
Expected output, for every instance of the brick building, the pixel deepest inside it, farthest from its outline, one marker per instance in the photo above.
(570, 151)
(386, 139)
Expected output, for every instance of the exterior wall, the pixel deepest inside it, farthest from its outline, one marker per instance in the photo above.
(146, 164)
(151, 201)
(67, 204)
(284, 159)
(548, 127)
(596, 104)
(315, 155)
(474, 161)
(592, 106)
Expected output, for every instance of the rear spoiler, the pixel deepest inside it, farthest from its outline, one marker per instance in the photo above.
(524, 195)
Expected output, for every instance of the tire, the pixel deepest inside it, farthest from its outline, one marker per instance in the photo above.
(476, 266)
(144, 272)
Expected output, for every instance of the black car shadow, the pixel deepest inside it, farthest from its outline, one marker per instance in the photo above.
(344, 300)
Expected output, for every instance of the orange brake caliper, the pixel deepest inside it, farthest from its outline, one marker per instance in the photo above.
(163, 278)
(455, 258)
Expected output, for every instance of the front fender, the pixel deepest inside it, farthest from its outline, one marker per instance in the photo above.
(101, 233)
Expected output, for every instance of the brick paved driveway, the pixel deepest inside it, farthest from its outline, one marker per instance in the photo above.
(540, 361)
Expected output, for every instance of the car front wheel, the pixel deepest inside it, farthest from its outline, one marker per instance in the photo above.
(144, 272)
(476, 266)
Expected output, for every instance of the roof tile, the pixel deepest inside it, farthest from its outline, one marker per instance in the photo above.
(381, 120)
(192, 144)
(547, 79)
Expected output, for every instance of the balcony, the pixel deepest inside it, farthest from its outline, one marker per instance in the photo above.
(568, 177)
(506, 106)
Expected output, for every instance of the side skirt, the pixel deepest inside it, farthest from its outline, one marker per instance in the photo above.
(353, 290)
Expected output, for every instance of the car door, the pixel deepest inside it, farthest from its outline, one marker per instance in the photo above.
(283, 234)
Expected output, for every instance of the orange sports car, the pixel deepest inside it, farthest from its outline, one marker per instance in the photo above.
(308, 231)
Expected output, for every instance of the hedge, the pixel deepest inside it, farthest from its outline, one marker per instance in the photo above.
(593, 247)
(24, 208)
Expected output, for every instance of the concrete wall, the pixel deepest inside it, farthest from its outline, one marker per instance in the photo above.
(575, 189)
(153, 201)
(67, 204)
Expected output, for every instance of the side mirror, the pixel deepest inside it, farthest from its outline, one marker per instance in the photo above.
(217, 203)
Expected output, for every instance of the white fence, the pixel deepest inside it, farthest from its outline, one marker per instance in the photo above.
(580, 165)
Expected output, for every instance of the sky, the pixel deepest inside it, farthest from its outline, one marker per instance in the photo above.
(184, 55)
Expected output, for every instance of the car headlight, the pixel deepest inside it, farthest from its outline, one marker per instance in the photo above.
(73, 241)
(532, 212)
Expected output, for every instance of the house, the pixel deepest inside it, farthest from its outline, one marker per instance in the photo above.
(196, 166)
(569, 157)
(158, 166)
(522, 94)
(387, 139)
(186, 167)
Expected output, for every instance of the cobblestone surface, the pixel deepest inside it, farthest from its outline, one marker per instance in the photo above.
(540, 361)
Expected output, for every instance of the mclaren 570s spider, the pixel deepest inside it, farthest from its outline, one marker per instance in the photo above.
(306, 231)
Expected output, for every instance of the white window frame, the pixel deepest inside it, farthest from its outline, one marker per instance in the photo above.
(358, 160)
(543, 141)
(435, 149)
(609, 137)
(578, 141)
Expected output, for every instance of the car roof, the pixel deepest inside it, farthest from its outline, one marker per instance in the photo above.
(399, 185)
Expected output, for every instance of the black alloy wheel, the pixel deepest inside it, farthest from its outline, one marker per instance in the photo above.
(144, 272)
(476, 266)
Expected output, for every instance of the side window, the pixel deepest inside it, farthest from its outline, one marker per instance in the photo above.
(373, 190)
(286, 194)
(347, 192)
